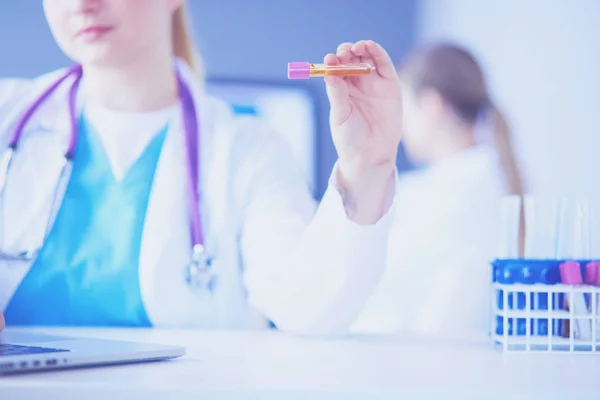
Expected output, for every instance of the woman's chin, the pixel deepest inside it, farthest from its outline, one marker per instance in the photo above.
(99, 56)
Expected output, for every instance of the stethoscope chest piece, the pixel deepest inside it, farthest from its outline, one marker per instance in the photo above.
(199, 273)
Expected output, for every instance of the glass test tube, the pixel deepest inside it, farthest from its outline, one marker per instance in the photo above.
(305, 70)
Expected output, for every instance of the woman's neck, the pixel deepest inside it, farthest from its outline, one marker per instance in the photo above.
(144, 85)
(451, 142)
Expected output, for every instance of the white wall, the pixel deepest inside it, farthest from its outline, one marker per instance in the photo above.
(542, 59)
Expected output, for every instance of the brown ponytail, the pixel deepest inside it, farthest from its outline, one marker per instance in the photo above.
(506, 157)
(183, 40)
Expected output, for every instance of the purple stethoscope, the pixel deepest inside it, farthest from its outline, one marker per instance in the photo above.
(198, 273)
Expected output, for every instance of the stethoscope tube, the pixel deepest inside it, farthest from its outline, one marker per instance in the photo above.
(18, 132)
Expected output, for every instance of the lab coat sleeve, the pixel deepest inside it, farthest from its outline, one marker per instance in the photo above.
(307, 268)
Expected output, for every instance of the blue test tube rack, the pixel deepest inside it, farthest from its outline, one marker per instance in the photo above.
(529, 306)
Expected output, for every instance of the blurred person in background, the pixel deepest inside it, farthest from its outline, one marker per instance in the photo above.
(438, 274)
(175, 213)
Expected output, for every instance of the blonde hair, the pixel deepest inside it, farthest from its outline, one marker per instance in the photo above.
(183, 40)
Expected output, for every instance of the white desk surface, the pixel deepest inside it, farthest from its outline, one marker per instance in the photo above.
(275, 365)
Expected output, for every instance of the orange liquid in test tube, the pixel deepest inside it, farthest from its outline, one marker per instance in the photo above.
(304, 70)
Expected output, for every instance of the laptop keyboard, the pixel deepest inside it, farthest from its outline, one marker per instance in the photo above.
(17, 350)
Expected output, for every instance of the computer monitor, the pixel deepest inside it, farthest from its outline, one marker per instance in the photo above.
(290, 109)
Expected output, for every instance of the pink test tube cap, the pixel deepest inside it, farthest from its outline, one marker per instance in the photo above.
(570, 273)
(591, 272)
(298, 70)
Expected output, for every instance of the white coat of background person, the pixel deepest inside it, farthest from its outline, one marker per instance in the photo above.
(438, 276)
(277, 257)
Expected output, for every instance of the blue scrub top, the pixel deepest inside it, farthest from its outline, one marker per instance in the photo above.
(87, 272)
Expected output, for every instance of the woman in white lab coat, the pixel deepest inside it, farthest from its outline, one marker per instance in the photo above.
(443, 236)
(114, 247)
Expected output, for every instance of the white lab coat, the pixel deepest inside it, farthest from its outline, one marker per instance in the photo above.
(277, 256)
(437, 279)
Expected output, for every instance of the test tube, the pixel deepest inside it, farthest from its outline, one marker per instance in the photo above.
(305, 70)
(575, 230)
(542, 217)
(510, 216)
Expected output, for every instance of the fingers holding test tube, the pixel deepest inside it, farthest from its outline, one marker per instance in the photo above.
(373, 54)
(366, 107)
(344, 64)
(365, 118)
(364, 69)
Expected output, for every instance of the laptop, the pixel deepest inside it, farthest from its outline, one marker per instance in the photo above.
(29, 352)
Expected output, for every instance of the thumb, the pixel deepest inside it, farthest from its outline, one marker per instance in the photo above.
(337, 92)
(1, 321)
